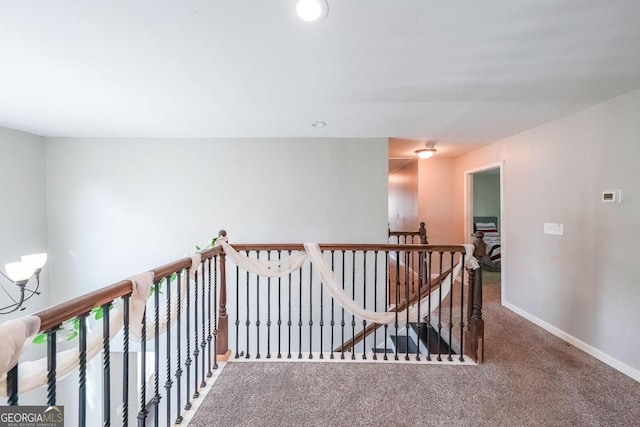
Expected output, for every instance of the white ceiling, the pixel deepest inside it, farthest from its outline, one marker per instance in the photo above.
(460, 72)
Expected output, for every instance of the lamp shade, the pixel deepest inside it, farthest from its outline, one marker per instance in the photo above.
(19, 271)
(425, 153)
(37, 261)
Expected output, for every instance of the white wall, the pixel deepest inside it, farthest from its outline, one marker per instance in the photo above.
(582, 286)
(122, 206)
(23, 212)
(435, 200)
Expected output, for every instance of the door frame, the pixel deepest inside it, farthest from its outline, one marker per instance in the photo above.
(468, 215)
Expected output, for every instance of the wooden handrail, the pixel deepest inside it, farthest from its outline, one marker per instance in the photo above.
(422, 233)
(54, 316)
(348, 247)
(433, 284)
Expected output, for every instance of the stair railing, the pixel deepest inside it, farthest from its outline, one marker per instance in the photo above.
(181, 329)
(293, 317)
(409, 237)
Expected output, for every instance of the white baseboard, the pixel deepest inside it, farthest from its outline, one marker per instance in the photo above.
(380, 359)
(590, 350)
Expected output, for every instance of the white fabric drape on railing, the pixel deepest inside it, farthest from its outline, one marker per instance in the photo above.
(429, 303)
(13, 335)
(280, 268)
(33, 374)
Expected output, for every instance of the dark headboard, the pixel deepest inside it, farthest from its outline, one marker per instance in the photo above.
(476, 219)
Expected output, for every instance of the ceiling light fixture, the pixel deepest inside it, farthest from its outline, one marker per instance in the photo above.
(318, 124)
(312, 10)
(428, 151)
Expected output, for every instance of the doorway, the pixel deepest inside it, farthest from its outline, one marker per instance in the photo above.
(484, 211)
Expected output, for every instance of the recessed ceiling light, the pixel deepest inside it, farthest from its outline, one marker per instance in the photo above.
(312, 10)
(318, 124)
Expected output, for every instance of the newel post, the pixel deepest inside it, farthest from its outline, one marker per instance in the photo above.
(223, 319)
(423, 234)
(474, 338)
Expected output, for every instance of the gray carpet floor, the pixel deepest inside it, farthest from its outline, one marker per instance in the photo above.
(530, 378)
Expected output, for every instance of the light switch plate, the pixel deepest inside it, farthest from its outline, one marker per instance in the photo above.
(611, 196)
(553, 228)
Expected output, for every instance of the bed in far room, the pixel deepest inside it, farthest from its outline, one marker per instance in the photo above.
(489, 226)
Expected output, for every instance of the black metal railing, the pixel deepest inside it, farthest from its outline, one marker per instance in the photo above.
(156, 356)
(380, 278)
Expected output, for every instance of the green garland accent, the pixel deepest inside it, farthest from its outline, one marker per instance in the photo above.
(98, 313)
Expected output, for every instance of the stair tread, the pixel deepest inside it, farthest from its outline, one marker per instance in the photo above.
(403, 344)
(427, 335)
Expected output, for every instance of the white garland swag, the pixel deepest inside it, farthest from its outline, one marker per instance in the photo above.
(33, 374)
(279, 268)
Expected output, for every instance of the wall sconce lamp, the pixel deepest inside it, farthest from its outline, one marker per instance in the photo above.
(426, 152)
(19, 273)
